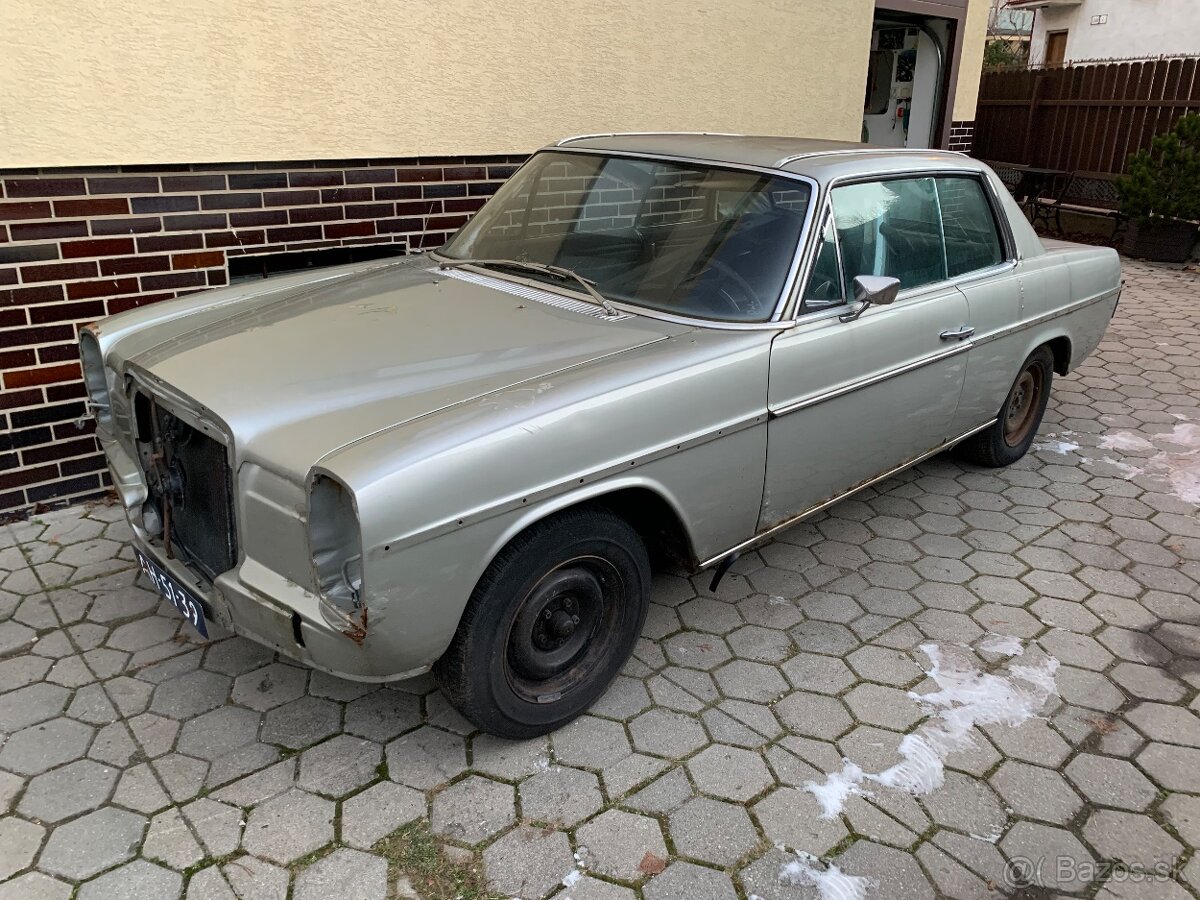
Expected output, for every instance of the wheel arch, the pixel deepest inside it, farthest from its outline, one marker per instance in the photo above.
(1060, 346)
(647, 506)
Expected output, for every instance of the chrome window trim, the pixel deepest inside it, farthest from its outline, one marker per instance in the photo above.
(1007, 241)
(608, 134)
(853, 151)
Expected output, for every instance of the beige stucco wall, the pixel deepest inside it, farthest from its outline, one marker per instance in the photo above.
(970, 66)
(120, 81)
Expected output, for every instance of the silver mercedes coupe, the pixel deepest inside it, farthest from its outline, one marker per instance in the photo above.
(646, 349)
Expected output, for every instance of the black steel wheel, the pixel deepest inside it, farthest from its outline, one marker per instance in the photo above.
(549, 625)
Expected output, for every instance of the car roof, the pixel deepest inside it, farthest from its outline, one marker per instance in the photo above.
(820, 159)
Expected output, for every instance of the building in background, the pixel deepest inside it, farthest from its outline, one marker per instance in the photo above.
(1009, 31)
(1070, 30)
(144, 156)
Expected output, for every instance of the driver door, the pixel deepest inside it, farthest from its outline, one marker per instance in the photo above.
(850, 400)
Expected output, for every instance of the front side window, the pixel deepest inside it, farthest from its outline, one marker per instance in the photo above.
(890, 228)
(683, 238)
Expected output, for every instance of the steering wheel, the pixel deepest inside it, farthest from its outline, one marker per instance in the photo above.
(736, 294)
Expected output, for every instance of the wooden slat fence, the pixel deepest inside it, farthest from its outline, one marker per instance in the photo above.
(1086, 117)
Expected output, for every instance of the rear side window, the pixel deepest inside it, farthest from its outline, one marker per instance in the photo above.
(972, 242)
(890, 228)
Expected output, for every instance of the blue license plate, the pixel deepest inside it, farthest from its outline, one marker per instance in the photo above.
(180, 597)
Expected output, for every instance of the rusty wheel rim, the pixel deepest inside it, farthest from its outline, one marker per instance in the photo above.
(1021, 411)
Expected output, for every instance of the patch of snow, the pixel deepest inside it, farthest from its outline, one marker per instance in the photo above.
(572, 878)
(1004, 644)
(1178, 468)
(831, 882)
(966, 697)
(838, 786)
(1060, 447)
(1125, 440)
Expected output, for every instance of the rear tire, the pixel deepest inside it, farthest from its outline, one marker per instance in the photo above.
(549, 625)
(1012, 434)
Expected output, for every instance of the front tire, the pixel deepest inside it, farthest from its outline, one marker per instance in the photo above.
(550, 624)
(1012, 434)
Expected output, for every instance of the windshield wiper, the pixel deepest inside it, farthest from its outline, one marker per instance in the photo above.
(560, 272)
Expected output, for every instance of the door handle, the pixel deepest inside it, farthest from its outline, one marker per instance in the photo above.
(957, 334)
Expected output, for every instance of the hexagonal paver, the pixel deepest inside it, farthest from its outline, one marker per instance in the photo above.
(617, 842)
(748, 680)
(1050, 857)
(41, 747)
(793, 818)
(426, 758)
(1174, 768)
(560, 796)
(1169, 724)
(339, 766)
(712, 831)
(473, 810)
(138, 880)
(19, 842)
(1111, 782)
(269, 687)
(886, 707)
(62, 793)
(666, 733)
(382, 715)
(528, 862)
(897, 874)
(301, 722)
(591, 743)
(697, 650)
(683, 880)
(378, 811)
(289, 826)
(1132, 839)
(351, 874)
(966, 804)
(1036, 792)
(35, 886)
(190, 694)
(729, 772)
(93, 843)
(218, 732)
(813, 715)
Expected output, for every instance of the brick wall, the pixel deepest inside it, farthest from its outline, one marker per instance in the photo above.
(79, 244)
(961, 136)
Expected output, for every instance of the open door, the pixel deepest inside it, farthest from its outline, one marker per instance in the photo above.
(905, 74)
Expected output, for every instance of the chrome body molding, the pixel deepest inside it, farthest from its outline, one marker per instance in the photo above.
(1048, 316)
(845, 389)
(837, 498)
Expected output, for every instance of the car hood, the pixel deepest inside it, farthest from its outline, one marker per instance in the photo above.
(297, 374)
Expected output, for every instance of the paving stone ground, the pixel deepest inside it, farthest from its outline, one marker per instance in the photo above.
(137, 760)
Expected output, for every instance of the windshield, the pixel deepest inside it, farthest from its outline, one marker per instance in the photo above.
(683, 238)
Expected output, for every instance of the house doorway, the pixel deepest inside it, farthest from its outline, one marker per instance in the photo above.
(1056, 47)
(906, 75)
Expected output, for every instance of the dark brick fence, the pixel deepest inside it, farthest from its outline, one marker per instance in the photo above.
(79, 244)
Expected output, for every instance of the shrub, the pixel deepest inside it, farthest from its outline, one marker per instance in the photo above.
(1165, 180)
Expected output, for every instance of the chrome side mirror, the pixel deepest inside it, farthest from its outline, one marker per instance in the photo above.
(872, 290)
